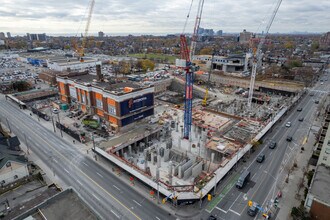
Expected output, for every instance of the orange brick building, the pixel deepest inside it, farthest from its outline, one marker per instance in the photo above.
(119, 103)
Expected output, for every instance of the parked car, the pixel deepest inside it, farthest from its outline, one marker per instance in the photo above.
(272, 144)
(301, 119)
(311, 94)
(299, 109)
(55, 111)
(260, 158)
(316, 101)
(243, 179)
(289, 138)
(212, 217)
(253, 210)
(288, 124)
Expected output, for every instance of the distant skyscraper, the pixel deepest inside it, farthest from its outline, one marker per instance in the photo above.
(219, 33)
(101, 34)
(244, 37)
(205, 32)
(2, 36)
(8, 35)
(39, 37)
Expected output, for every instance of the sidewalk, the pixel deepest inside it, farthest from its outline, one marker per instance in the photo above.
(184, 212)
(293, 190)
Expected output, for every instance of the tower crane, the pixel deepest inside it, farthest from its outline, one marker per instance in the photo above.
(187, 56)
(257, 55)
(81, 49)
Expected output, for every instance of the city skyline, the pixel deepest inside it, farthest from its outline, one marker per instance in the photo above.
(147, 17)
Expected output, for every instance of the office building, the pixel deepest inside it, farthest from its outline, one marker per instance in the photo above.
(116, 103)
(2, 36)
(101, 34)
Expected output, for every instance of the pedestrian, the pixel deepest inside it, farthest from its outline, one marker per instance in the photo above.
(74, 141)
(30, 114)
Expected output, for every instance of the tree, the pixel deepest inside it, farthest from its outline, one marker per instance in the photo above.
(145, 65)
(206, 51)
(124, 67)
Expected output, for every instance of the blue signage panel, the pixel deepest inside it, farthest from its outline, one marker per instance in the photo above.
(133, 105)
(136, 117)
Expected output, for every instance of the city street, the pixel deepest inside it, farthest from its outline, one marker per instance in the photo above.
(108, 195)
(266, 177)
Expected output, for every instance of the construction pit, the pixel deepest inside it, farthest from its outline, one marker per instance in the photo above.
(184, 170)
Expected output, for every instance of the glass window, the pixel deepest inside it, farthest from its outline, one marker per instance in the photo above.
(99, 103)
(111, 110)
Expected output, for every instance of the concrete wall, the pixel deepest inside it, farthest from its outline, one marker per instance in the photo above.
(197, 169)
(187, 173)
(179, 86)
(245, 83)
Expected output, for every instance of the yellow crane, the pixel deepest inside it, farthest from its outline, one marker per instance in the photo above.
(204, 101)
(80, 49)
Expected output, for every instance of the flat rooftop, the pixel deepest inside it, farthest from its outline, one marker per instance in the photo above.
(320, 187)
(115, 87)
(64, 205)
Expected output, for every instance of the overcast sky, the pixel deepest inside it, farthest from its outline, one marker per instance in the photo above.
(160, 16)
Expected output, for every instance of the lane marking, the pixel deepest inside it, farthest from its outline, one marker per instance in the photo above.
(55, 160)
(235, 200)
(96, 196)
(66, 170)
(78, 169)
(114, 213)
(221, 210)
(157, 218)
(137, 202)
(116, 187)
(79, 182)
(85, 164)
(235, 212)
(99, 174)
(254, 175)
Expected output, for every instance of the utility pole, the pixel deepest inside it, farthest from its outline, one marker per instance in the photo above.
(27, 145)
(58, 116)
(53, 124)
(8, 125)
(158, 191)
(215, 183)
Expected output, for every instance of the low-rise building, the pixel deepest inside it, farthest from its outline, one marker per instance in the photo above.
(318, 197)
(117, 103)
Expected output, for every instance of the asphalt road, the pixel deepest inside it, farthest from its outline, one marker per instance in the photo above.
(267, 176)
(107, 194)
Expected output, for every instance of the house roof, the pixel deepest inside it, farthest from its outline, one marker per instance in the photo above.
(4, 158)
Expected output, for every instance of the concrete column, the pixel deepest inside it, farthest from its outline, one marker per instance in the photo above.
(180, 172)
(122, 152)
(158, 161)
(145, 162)
(177, 126)
(181, 132)
(152, 158)
(170, 173)
(212, 157)
(179, 143)
(117, 152)
(130, 150)
(157, 173)
(125, 156)
(158, 135)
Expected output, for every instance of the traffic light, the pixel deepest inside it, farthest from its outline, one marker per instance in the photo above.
(209, 197)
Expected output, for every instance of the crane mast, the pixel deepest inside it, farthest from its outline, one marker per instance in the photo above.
(89, 18)
(188, 56)
(257, 54)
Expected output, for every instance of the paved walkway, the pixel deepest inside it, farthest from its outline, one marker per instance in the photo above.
(291, 194)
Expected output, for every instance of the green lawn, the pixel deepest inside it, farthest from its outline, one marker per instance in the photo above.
(152, 56)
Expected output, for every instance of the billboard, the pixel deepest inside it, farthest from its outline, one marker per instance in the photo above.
(139, 103)
(136, 117)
